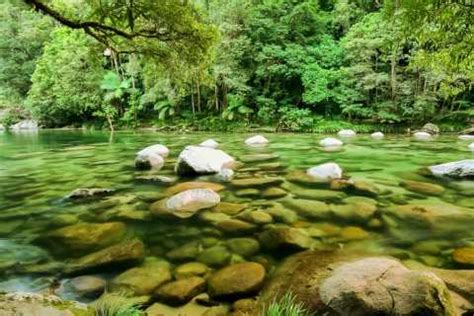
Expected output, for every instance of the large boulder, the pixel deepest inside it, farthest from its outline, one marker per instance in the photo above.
(237, 280)
(257, 140)
(346, 133)
(25, 125)
(430, 128)
(457, 169)
(185, 204)
(196, 160)
(328, 282)
(82, 238)
(383, 286)
(285, 238)
(330, 142)
(325, 172)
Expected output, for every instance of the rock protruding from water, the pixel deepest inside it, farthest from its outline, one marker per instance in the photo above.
(383, 286)
(471, 146)
(211, 143)
(422, 135)
(237, 280)
(346, 133)
(152, 157)
(257, 140)
(25, 125)
(82, 193)
(377, 135)
(330, 142)
(185, 204)
(196, 160)
(325, 172)
(430, 128)
(457, 169)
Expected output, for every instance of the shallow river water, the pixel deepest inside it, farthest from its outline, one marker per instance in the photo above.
(38, 171)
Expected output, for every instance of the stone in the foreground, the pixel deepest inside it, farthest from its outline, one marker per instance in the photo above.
(181, 291)
(237, 280)
(382, 286)
(33, 304)
(186, 203)
(257, 140)
(346, 133)
(457, 169)
(325, 172)
(196, 160)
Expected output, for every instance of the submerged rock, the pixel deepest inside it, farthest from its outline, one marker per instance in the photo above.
(186, 203)
(211, 143)
(184, 186)
(325, 172)
(237, 280)
(308, 208)
(383, 286)
(256, 182)
(286, 238)
(423, 187)
(471, 146)
(87, 286)
(464, 256)
(228, 208)
(274, 193)
(216, 256)
(196, 160)
(143, 280)
(89, 192)
(257, 140)
(243, 246)
(191, 269)
(457, 169)
(259, 157)
(84, 237)
(330, 142)
(346, 133)
(181, 291)
(122, 254)
(377, 135)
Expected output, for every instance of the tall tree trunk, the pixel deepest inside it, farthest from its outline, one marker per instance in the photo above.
(192, 99)
(198, 89)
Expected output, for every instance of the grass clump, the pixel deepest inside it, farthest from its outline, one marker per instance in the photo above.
(286, 306)
(115, 305)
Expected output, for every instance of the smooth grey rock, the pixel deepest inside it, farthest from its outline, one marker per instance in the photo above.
(457, 169)
(325, 172)
(195, 160)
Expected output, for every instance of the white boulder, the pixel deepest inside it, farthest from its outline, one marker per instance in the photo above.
(157, 149)
(346, 133)
(257, 140)
(325, 172)
(422, 135)
(211, 143)
(377, 135)
(185, 204)
(466, 137)
(330, 142)
(195, 160)
(457, 169)
(471, 146)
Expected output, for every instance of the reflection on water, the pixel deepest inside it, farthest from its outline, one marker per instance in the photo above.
(389, 215)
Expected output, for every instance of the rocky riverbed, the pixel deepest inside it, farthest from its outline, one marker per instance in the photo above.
(225, 226)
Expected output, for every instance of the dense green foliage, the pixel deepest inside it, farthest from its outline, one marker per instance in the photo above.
(297, 65)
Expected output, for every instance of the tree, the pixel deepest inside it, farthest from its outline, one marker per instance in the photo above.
(65, 84)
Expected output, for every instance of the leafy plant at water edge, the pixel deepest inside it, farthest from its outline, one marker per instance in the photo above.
(287, 305)
(115, 305)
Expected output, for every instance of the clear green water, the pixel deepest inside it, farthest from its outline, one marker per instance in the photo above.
(37, 170)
